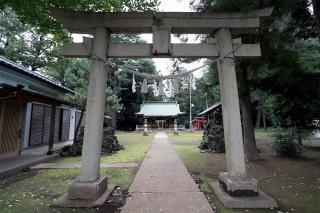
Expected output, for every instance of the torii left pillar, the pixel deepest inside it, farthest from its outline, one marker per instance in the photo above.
(91, 189)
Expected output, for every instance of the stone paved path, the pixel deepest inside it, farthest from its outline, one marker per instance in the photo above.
(163, 183)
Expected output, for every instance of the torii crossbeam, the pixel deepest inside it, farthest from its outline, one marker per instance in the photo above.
(90, 190)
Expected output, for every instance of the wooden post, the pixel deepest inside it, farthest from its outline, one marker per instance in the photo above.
(51, 133)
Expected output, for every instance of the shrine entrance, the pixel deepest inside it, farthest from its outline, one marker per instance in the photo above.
(90, 189)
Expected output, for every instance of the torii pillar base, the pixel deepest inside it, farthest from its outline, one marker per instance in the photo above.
(241, 192)
(259, 201)
(238, 186)
(85, 195)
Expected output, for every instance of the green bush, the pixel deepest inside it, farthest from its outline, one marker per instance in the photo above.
(285, 145)
(110, 144)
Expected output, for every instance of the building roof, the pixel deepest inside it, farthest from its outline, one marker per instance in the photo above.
(14, 66)
(160, 109)
(210, 109)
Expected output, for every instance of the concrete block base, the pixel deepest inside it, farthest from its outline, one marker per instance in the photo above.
(262, 200)
(238, 186)
(80, 203)
(87, 191)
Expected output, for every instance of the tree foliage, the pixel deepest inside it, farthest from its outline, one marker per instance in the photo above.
(130, 101)
(76, 77)
(37, 13)
(208, 85)
(23, 44)
(199, 97)
(287, 73)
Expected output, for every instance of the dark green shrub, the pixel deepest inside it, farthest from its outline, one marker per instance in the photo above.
(213, 136)
(285, 144)
(71, 151)
(110, 144)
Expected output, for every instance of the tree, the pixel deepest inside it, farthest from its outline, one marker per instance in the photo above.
(294, 101)
(37, 13)
(208, 84)
(129, 100)
(291, 20)
(76, 77)
(198, 98)
(316, 12)
(23, 44)
(10, 28)
(250, 145)
(260, 97)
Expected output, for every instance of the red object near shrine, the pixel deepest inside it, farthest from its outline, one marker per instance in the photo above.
(198, 123)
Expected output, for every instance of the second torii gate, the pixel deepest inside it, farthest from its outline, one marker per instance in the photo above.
(90, 189)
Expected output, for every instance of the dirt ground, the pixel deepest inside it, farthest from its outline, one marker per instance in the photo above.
(294, 183)
(34, 190)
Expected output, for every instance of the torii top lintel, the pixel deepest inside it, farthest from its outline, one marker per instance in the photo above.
(142, 22)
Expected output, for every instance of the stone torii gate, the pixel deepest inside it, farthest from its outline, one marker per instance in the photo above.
(90, 189)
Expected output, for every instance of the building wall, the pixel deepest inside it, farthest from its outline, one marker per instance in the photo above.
(72, 124)
(24, 124)
(36, 128)
(27, 125)
(11, 112)
(77, 117)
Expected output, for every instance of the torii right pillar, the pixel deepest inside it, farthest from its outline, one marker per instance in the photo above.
(235, 188)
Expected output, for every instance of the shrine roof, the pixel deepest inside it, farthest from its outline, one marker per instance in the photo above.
(210, 109)
(160, 109)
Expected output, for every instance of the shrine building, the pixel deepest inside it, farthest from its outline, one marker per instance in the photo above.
(160, 115)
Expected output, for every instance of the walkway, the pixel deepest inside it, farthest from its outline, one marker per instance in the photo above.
(163, 184)
(27, 158)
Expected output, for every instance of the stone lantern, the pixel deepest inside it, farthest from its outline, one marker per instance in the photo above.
(145, 130)
(175, 125)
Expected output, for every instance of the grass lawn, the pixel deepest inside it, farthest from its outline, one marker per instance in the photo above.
(295, 183)
(135, 145)
(34, 190)
(268, 134)
(262, 133)
(186, 136)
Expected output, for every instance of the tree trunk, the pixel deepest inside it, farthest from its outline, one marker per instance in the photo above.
(250, 145)
(78, 127)
(316, 12)
(300, 140)
(258, 119)
(264, 115)
(248, 130)
(114, 120)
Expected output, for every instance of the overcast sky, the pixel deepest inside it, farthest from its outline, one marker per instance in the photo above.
(164, 64)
